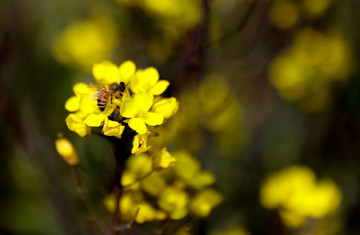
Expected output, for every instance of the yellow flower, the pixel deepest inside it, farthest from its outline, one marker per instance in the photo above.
(140, 143)
(113, 128)
(138, 165)
(137, 109)
(163, 160)
(128, 206)
(85, 42)
(167, 107)
(107, 72)
(174, 201)
(203, 202)
(75, 123)
(297, 193)
(154, 184)
(67, 151)
(97, 119)
(147, 80)
(80, 89)
(193, 175)
(132, 207)
(148, 213)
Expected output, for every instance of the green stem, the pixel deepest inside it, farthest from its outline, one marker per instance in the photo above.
(81, 190)
(118, 192)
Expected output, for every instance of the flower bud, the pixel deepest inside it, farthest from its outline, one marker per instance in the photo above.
(67, 151)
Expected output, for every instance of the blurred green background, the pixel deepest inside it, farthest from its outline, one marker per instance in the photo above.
(262, 85)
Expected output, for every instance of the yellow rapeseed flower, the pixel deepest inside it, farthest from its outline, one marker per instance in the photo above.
(203, 202)
(147, 81)
(137, 109)
(174, 201)
(297, 194)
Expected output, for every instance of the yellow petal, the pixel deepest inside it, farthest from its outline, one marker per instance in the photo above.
(136, 84)
(126, 70)
(81, 129)
(75, 123)
(82, 89)
(113, 128)
(153, 119)
(144, 101)
(140, 144)
(159, 87)
(106, 72)
(88, 105)
(166, 107)
(138, 125)
(128, 108)
(94, 120)
(72, 104)
(150, 76)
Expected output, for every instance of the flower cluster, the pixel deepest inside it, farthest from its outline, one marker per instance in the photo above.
(124, 96)
(157, 189)
(208, 108)
(298, 195)
(306, 71)
(126, 104)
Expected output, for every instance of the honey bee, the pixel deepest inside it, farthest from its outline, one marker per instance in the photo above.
(104, 95)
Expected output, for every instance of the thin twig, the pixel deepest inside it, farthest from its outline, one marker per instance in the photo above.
(138, 180)
(118, 192)
(81, 190)
(130, 224)
(91, 181)
(163, 225)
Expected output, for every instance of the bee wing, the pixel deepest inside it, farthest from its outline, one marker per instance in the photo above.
(95, 95)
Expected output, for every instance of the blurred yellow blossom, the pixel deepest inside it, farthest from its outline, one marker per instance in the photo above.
(297, 194)
(163, 160)
(166, 188)
(314, 8)
(193, 175)
(85, 42)
(284, 14)
(174, 201)
(154, 184)
(304, 72)
(203, 202)
(67, 151)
